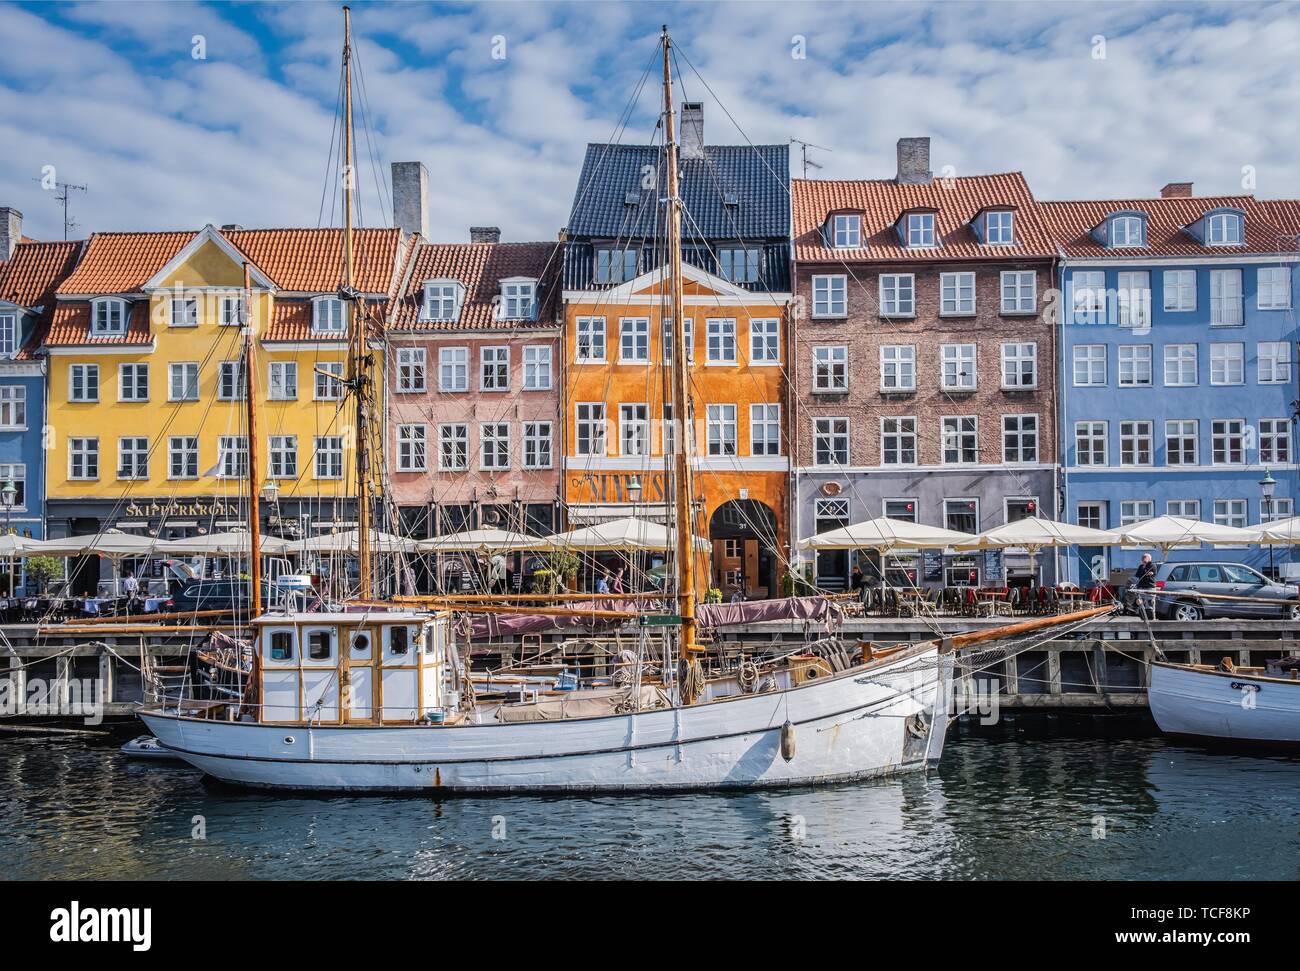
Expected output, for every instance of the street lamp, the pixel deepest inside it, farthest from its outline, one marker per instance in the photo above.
(1266, 487)
(7, 496)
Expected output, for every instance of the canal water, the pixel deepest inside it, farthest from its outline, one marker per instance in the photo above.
(1041, 808)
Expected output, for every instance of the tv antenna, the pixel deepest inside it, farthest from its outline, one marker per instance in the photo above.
(61, 193)
(803, 152)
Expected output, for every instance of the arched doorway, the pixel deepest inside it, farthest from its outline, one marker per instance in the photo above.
(743, 533)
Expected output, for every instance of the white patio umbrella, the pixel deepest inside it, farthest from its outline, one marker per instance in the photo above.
(111, 543)
(11, 544)
(348, 542)
(1035, 535)
(1166, 533)
(496, 540)
(1283, 532)
(884, 534)
(621, 535)
(234, 543)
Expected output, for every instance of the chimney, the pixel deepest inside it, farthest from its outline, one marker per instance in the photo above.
(484, 234)
(914, 161)
(410, 197)
(11, 231)
(692, 129)
(1177, 190)
(232, 228)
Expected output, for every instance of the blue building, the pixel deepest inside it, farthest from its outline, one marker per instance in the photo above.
(29, 273)
(1178, 368)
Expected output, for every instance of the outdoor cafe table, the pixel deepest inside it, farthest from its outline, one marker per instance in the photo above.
(993, 601)
(909, 599)
(1070, 597)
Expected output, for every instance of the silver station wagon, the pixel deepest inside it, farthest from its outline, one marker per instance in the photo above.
(1190, 591)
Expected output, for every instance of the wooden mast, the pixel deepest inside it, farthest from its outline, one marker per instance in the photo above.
(254, 482)
(682, 414)
(357, 363)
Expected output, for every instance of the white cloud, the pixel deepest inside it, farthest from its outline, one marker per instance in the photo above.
(107, 93)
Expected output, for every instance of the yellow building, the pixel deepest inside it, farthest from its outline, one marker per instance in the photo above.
(148, 421)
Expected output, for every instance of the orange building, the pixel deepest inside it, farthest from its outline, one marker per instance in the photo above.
(617, 422)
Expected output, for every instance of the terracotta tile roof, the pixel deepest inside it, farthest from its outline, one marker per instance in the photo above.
(71, 326)
(291, 322)
(122, 262)
(1071, 224)
(882, 201)
(1284, 214)
(311, 260)
(480, 268)
(303, 260)
(30, 277)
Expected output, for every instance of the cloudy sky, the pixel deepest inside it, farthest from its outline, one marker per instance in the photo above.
(1089, 100)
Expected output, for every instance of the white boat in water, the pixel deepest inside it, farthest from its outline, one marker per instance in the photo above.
(402, 721)
(1247, 705)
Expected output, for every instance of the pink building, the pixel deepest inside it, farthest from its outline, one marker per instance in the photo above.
(473, 387)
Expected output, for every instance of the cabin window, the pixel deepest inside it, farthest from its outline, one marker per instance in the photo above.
(399, 640)
(361, 643)
(282, 645)
(319, 645)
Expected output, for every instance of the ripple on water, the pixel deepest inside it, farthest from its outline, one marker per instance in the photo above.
(1044, 809)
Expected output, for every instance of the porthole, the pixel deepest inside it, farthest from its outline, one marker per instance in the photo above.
(361, 643)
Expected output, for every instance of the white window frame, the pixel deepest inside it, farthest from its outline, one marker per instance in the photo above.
(108, 316)
(1178, 358)
(633, 428)
(591, 418)
(1136, 432)
(328, 381)
(328, 315)
(830, 295)
(537, 365)
(1089, 356)
(89, 374)
(232, 382)
(412, 365)
(590, 346)
(539, 445)
(921, 230)
(1020, 432)
(960, 435)
(846, 231)
(764, 429)
(1226, 298)
(1133, 299)
(128, 390)
(442, 300)
(1135, 356)
(1228, 364)
(1091, 440)
(1132, 235)
(720, 338)
(1275, 441)
(1133, 511)
(722, 431)
(453, 369)
(518, 299)
(1276, 286)
(184, 448)
(453, 447)
(282, 381)
(633, 340)
(1228, 436)
(494, 368)
(494, 446)
(129, 446)
(1019, 291)
(834, 431)
(1182, 431)
(413, 447)
(327, 457)
(1273, 362)
(1015, 354)
(183, 312)
(13, 407)
(232, 457)
(964, 362)
(282, 457)
(901, 360)
(1224, 229)
(830, 369)
(957, 294)
(765, 342)
(1088, 296)
(900, 430)
(1002, 231)
(1181, 286)
(898, 295)
(85, 448)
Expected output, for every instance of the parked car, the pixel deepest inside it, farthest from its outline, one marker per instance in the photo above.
(1178, 586)
(229, 595)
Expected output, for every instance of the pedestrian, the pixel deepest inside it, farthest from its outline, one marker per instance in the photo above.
(1145, 579)
(617, 585)
(131, 587)
(602, 584)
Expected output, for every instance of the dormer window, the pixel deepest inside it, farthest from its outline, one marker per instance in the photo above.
(615, 265)
(1126, 231)
(999, 228)
(920, 229)
(518, 299)
(1223, 229)
(327, 316)
(441, 300)
(8, 334)
(846, 231)
(108, 316)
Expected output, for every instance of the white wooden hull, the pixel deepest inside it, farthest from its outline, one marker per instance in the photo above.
(889, 717)
(1222, 705)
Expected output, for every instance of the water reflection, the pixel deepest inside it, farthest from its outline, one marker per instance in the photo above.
(1029, 808)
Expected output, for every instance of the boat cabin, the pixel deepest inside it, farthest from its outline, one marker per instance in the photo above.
(371, 668)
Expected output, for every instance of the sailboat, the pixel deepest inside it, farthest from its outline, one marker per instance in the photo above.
(382, 699)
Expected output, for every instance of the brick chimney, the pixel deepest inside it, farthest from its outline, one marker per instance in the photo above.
(484, 234)
(692, 129)
(914, 161)
(410, 197)
(11, 231)
(1177, 190)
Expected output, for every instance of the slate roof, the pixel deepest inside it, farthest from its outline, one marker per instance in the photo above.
(759, 176)
(480, 268)
(1071, 224)
(881, 202)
